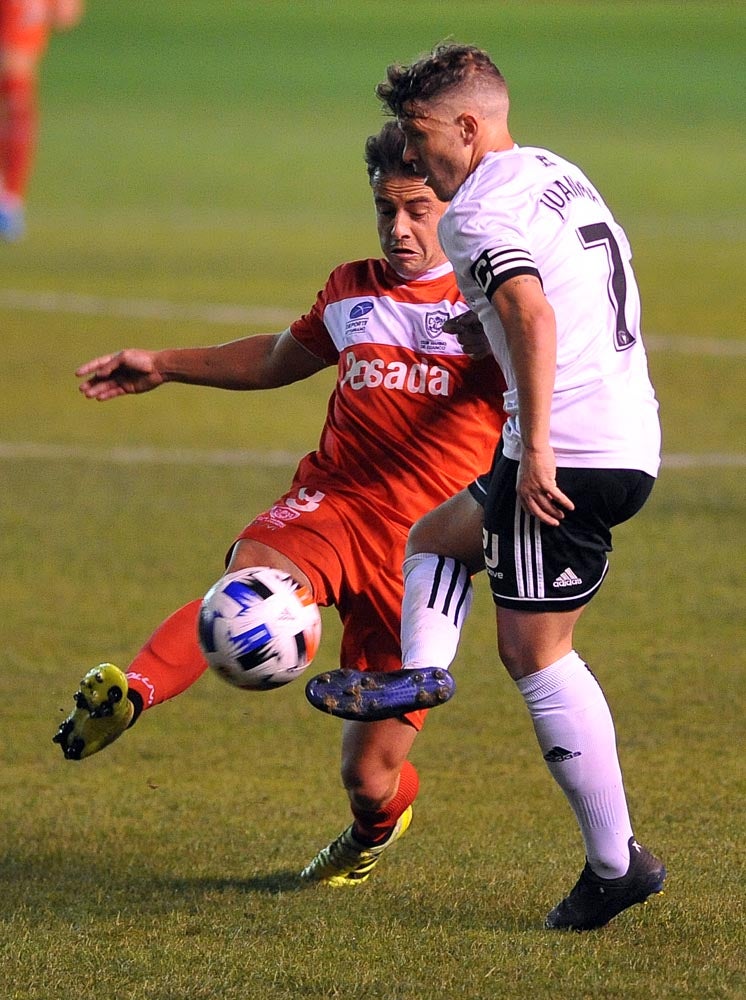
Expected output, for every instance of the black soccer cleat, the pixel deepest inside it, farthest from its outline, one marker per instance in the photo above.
(594, 901)
(368, 696)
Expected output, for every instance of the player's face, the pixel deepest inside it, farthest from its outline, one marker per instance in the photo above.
(435, 149)
(407, 214)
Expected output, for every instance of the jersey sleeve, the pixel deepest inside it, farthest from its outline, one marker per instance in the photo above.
(311, 332)
(497, 246)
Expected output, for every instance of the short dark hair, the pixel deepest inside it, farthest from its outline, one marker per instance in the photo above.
(447, 66)
(384, 152)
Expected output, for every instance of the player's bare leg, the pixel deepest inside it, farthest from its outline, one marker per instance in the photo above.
(382, 785)
(372, 759)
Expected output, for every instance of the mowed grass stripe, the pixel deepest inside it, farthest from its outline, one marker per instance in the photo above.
(159, 310)
(139, 455)
(228, 314)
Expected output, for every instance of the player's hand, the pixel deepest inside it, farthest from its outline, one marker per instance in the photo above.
(537, 487)
(119, 374)
(470, 335)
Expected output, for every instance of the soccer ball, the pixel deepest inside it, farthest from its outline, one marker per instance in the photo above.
(259, 628)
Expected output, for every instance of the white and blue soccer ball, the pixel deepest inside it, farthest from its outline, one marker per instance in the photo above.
(259, 628)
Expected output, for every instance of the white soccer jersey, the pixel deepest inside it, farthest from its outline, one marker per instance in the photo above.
(527, 211)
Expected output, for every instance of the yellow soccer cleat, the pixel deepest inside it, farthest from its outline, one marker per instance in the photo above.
(347, 862)
(102, 713)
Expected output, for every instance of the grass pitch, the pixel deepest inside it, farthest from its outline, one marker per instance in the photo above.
(211, 154)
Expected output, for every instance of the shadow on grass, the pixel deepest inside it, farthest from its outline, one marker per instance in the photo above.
(40, 890)
(70, 888)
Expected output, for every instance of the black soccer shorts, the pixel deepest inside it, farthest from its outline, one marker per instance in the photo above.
(533, 566)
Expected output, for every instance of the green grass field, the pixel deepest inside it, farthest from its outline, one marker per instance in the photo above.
(212, 156)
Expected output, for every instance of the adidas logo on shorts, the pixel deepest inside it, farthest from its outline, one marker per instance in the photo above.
(567, 579)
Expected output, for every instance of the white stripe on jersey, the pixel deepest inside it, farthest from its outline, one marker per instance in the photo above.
(381, 319)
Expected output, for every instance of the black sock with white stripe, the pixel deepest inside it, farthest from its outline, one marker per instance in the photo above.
(437, 599)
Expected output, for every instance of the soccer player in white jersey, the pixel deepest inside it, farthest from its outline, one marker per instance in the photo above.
(546, 268)
(411, 420)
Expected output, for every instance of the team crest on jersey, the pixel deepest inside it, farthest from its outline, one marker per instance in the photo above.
(358, 318)
(434, 331)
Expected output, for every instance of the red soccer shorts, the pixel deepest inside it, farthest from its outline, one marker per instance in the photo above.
(353, 557)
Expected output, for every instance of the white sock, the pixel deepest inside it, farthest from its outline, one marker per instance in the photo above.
(575, 731)
(437, 599)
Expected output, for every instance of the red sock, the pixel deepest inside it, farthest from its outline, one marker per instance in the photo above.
(170, 661)
(17, 131)
(371, 828)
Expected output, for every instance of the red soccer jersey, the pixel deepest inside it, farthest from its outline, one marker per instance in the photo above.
(412, 419)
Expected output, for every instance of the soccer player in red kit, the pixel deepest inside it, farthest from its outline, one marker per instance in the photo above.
(411, 420)
(25, 26)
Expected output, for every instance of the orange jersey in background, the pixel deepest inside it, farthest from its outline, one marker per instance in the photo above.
(25, 24)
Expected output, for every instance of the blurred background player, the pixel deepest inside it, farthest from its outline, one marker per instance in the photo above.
(25, 26)
(411, 420)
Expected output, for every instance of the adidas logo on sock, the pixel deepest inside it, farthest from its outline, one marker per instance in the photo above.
(567, 579)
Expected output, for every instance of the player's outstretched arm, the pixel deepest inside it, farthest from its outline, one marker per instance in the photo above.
(257, 362)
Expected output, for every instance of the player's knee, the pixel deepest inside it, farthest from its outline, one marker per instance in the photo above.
(522, 658)
(420, 538)
(429, 533)
(453, 529)
(514, 656)
(368, 786)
